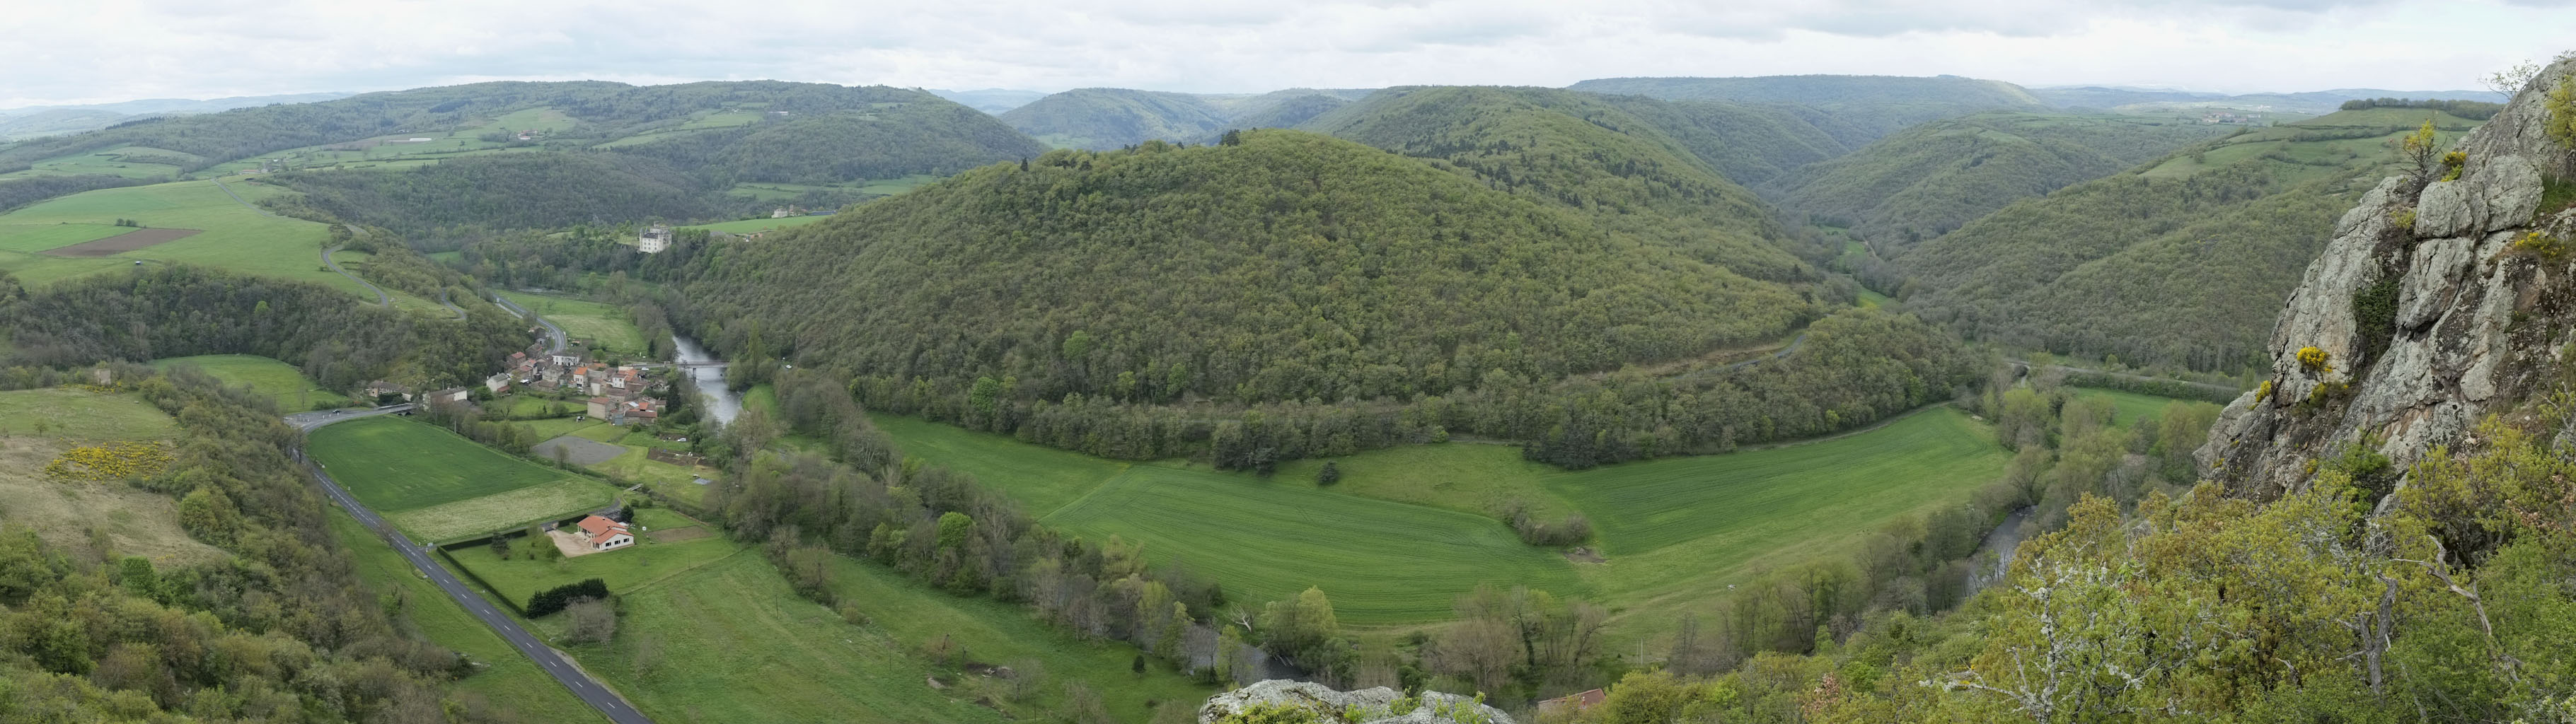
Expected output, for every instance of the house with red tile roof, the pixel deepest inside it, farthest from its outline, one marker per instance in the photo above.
(602, 534)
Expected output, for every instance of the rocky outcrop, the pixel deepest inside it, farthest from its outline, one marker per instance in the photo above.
(2473, 328)
(1365, 706)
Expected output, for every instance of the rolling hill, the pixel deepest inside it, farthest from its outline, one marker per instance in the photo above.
(1930, 179)
(1865, 106)
(1286, 267)
(2181, 261)
(1102, 118)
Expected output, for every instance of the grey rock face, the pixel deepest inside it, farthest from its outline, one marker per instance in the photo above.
(1373, 705)
(2476, 323)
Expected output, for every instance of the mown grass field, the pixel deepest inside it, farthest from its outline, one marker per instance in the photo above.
(78, 415)
(278, 380)
(114, 162)
(1381, 562)
(503, 510)
(624, 570)
(393, 464)
(235, 237)
(750, 225)
(30, 238)
(507, 680)
(2131, 407)
(1410, 527)
(608, 327)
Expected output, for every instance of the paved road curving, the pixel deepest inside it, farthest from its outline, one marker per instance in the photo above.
(451, 306)
(381, 297)
(555, 663)
(555, 340)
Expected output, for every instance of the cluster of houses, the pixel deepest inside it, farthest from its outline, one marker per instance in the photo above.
(2236, 118)
(620, 395)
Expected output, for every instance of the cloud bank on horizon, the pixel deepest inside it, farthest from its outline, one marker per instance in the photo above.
(127, 49)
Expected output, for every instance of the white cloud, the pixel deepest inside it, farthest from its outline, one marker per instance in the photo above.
(124, 49)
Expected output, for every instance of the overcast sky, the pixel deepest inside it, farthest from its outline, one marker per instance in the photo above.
(86, 51)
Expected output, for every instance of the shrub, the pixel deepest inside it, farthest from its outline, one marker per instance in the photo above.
(556, 599)
(2547, 248)
(2315, 360)
(2456, 161)
(1330, 474)
(2374, 315)
(2404, 219)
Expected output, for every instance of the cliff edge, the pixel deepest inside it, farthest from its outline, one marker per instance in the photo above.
(2434, 306)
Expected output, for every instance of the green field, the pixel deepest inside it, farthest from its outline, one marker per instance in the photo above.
(730, 642)
(750, 225)
(235, 237)
(625, 570)
(79, 415)
(113, 162)
(1406, 529)
(1382, 562)
(30, 238)
(505, 679)
(504, 510)
(437, 485)
(608, 327)
(2132, 407)
(278, 380)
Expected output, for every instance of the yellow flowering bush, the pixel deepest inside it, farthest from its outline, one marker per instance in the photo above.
(112, 461)
(2314, 359)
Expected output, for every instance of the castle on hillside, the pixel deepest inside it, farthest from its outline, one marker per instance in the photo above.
(654, 240)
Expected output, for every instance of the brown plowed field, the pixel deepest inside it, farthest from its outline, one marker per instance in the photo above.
(121, 243)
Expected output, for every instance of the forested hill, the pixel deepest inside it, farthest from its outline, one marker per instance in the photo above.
(1930, 179)
(1102, 118)
(1871, 106)
(674, 117)
(1582, 152)
(2183, 260)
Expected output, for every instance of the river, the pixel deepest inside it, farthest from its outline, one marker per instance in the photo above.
(1999, 546)
(721, 403)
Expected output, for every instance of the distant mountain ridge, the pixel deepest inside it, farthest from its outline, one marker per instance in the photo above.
(38, 121)
(2307, 102)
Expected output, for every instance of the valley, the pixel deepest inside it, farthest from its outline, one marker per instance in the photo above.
(1775, 399)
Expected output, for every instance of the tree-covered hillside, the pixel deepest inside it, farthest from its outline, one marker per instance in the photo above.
(894, 140)
(1746, 143)
(1287, 267)
(1933, 178)
(1578, 151)
(1871, 105)
(1102, 118)
(2182, 261)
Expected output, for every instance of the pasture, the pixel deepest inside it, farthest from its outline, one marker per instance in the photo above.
(78, 415)
(608, 327)
(729, 641)
(1383, 563)
(139, 162)
(519, 576)
(504, 510)
(1409, 527)
(2131, 407)
(440, 486)
(235, 237)
(87, 519)
(503, 678)
(28, 238)
(276, 380)
(747, 226)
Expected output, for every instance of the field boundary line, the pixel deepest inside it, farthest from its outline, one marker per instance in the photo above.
(1124, 469)
(738, 550)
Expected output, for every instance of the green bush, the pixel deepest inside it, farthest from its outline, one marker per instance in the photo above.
(2562, 111)
(555, 599)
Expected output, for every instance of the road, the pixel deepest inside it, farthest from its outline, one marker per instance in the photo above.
(596, 694)
(554, 335)
(451, 306)
(381, 296)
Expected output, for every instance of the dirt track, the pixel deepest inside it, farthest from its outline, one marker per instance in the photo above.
(121, 243)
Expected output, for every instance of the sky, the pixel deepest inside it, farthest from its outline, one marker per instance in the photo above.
(113, 50)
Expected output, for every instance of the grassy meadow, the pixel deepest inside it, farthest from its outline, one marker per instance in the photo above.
(1407, 528)
(277, 380)
(437, 485)
(88, 519)
(236, 237)
(607, 327)
(746, 226)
